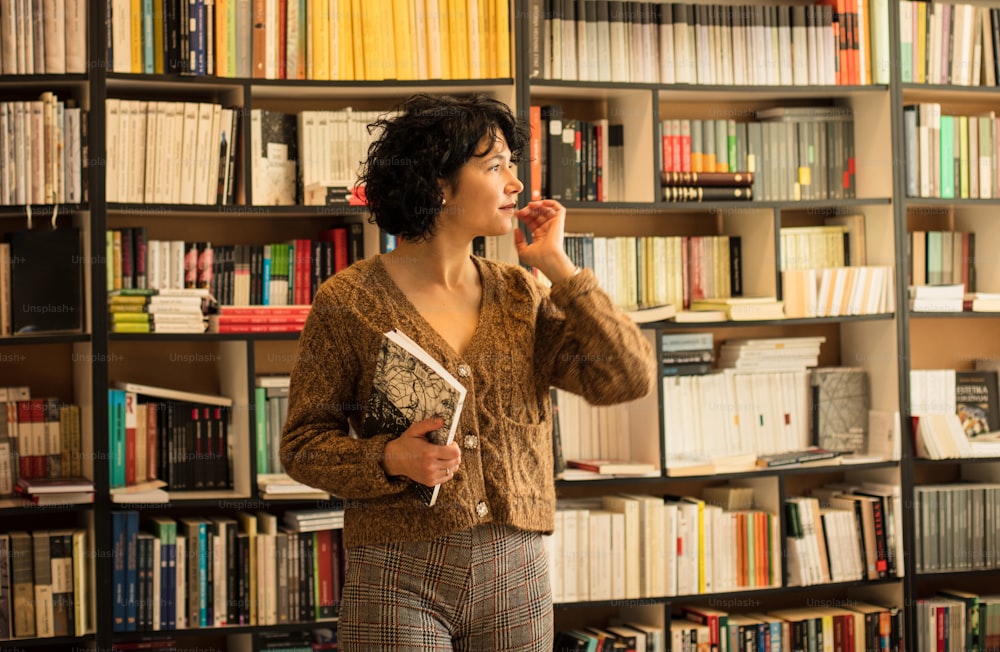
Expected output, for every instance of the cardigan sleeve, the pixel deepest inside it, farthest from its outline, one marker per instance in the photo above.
(586, 345)
(316, 446)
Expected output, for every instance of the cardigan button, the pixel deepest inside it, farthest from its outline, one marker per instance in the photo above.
(471, 441)
(464, 371)
(482, 509)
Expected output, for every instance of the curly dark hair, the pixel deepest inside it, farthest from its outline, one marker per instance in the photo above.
(427, 139)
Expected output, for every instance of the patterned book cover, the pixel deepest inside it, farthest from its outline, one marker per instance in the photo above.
(410, 386)
(840, 408)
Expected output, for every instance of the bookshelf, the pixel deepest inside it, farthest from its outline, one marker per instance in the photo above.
(888, 344)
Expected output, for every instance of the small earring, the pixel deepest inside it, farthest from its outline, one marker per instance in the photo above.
(443, 201)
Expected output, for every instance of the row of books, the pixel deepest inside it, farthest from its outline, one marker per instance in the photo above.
(626, 546)
(792, 152)
(574, 159)
(645, 271)
(183, 441)
(247, 569)
(39, 438)
(844, 533)
(943, 258)
(842, 43)
(270, 410)
(45, 585)
(331, 147)
(280, 273)
(268, 39)
(42, 151)
(616, 635)
(591, 431)
(958, 620)
(970, 394)
(955, 526)
(162, 152)
(838, 291)
(948, 43)
(950, 156)
(815, 247)
(43, 38)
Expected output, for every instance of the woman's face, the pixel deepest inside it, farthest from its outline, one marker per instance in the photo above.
(483, 198)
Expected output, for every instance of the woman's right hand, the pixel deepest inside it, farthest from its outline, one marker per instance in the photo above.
(413, 456)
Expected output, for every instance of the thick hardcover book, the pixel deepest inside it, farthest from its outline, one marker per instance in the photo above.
(729, 179)
(410, 386)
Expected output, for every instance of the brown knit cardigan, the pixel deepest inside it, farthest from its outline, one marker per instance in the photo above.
(528, 338)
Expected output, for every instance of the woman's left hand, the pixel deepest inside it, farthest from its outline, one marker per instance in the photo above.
(546, 221)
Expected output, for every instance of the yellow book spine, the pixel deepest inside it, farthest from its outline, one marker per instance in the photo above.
(441, 37)
(346, 68)
(701, 546)
(404, 53)
(501, 32)
(230, 21)
(136, 46)
(158, 45)
(357, 40)
(458, 39)
(320, 28)
(920, 60)
(221, 41)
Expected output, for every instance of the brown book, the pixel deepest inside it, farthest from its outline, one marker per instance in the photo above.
(706, 193)
(729, 179)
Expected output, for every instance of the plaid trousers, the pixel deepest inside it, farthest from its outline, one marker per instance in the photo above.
(485, 589)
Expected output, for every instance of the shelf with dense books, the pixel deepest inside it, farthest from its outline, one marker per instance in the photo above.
(647, 108)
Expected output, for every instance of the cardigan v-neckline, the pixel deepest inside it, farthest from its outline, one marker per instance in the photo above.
(486, 301)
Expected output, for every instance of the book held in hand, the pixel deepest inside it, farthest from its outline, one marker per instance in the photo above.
(410, 386)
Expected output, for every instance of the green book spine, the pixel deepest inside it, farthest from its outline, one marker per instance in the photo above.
(947, 158)
(260, 419)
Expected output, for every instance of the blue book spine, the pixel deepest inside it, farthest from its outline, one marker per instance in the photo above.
(192, 44)
(116, 439)
(203, 574)
(170, 588)
(118, 555)
(147, 37)
(200, 38)
(265, 283)
(131, 570)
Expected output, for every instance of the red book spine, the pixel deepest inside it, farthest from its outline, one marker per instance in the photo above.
(258, 328)
(130, 431)
(339, 249)
(324, 579)
(25, 441)
(667, 147)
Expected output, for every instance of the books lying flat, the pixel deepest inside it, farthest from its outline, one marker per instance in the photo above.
(411, 386)
(174, 394)
(703, 179)
(814, 455)
(743, 308)
(53, 485)
(653, 314)
(612, 467)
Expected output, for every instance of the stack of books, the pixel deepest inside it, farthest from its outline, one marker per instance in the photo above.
(143, 310)
(706, 186)
(937, 298)
(740, 308)
(770, 354)
(56, 491)
(258, 319)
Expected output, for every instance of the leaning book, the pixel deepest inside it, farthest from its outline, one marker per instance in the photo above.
(410, 386)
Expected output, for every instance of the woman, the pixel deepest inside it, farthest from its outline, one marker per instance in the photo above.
(470, 572)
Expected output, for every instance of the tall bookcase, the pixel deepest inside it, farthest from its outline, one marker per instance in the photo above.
(79, 368)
